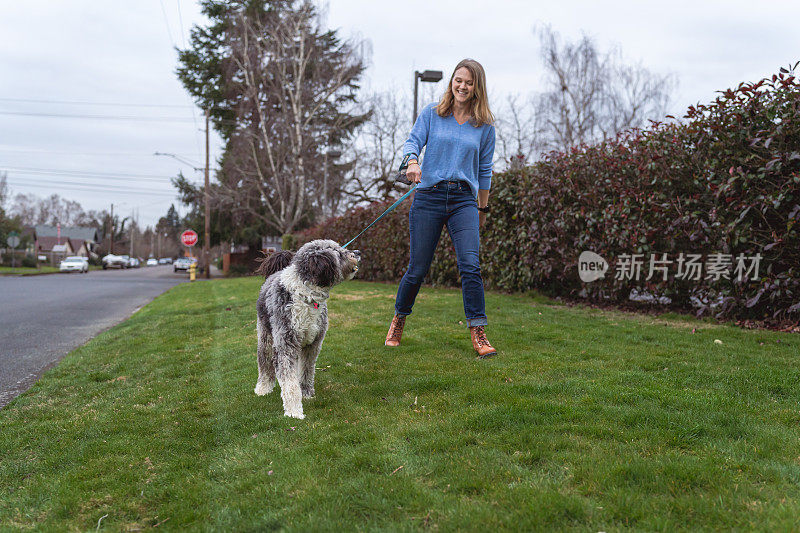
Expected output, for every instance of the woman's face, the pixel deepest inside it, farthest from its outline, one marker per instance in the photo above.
(463, 85)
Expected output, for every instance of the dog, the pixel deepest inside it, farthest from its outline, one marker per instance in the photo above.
(292, 316)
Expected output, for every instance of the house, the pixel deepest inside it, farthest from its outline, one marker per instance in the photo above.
(53, 249)
(87, 235)
(53, 244)
(79, 247)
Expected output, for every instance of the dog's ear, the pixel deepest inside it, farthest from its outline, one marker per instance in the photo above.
(321, 269)
(274, 262)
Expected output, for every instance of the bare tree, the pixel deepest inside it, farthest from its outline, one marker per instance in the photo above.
(52, 210)
(294, 81)
(377, 148)
(590, 96)
(519, 130)
(4, 191)
(378, 145)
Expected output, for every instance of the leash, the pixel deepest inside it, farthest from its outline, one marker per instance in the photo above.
(398, 202)
(400, 177)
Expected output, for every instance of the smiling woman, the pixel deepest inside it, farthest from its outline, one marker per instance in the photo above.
(457, 169)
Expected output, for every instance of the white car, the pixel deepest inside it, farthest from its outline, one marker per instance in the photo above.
(183, 263)
(74, 264)
(152, 262)
(114, 261)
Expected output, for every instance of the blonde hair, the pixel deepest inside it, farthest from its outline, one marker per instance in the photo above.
(479, 111)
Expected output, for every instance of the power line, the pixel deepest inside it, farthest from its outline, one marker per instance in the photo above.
(166, 23)
(109, 186)
(94, 173)
(98, 117)
(81, 187)
(107, 104)
(99, 154)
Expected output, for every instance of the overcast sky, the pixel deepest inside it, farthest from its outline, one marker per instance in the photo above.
(121, 54)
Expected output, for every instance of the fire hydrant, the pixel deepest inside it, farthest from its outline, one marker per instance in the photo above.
(192, 271)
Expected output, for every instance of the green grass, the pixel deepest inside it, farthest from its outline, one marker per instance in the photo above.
(27, 270)
(588, 420)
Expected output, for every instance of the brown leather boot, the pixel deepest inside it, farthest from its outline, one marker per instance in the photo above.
(395, 331)
(481, 343)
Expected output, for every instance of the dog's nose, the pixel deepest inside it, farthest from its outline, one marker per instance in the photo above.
(357, 253)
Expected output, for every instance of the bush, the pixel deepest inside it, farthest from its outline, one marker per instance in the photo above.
(29, 261)
(288, 242)
(236, 271)
(726, 180)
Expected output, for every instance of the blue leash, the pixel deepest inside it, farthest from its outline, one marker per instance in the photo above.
(398, 202)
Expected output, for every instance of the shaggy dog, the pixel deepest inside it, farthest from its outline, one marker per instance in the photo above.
(293, 316)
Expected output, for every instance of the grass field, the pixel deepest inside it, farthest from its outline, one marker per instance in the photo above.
(587, 420)
(8, 271)
(27, 270)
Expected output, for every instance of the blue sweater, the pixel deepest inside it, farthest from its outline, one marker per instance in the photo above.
(455, 152)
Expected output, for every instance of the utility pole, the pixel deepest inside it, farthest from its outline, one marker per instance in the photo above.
(207, 243)
(130, 253)
(111, 249)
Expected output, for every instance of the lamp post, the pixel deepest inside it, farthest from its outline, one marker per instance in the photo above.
(333, 154)
(432, 76)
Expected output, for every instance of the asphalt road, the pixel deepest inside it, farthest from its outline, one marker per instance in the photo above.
(42, 318)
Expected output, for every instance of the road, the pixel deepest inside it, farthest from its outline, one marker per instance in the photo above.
(42, 318)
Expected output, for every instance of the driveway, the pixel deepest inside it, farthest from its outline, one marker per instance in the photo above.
(42, 318)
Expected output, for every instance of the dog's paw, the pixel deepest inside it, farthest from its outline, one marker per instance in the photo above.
(298, 415)
(308, 393)
(263, 389)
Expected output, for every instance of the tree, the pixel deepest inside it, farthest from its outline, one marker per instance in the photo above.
(284, 94)
(590, 96)
(33, 210)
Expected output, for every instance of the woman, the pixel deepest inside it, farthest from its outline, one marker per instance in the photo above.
(460, 141)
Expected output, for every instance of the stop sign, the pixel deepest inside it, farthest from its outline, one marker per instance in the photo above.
(189, 237)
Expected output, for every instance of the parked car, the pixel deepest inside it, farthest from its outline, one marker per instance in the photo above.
(133, 262)
(165, 261)
(183, 263)
(74, 263)
(114, 261)
(152, 262)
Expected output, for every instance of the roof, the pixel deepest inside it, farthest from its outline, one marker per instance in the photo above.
(76, 243)
(84, 233)
(47, 244)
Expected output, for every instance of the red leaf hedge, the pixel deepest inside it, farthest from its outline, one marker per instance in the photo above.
(725, 180)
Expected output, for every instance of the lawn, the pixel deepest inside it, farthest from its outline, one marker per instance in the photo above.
(27, 270)
(588, 420)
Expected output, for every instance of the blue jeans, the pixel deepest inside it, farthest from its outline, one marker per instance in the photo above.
(450, 203)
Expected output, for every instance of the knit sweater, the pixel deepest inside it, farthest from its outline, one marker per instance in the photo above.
(454, 151)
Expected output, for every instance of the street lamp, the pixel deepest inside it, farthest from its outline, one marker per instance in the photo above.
(182, 160)
(334, 154)
(426, 75)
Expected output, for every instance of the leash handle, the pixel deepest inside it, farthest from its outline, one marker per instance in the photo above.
(401, 174)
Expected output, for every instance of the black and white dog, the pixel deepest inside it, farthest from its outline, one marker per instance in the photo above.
(293, 316)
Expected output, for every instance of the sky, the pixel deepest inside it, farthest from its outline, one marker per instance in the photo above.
(88, 91)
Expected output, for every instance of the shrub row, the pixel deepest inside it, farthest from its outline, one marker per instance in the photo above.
(724, 180)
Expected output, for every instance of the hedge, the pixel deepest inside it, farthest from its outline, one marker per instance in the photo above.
(724, 180)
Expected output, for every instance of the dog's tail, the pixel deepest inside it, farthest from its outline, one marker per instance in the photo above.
(274, 262)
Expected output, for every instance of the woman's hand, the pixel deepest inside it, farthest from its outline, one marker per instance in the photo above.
(481, 219)
(414, 173)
